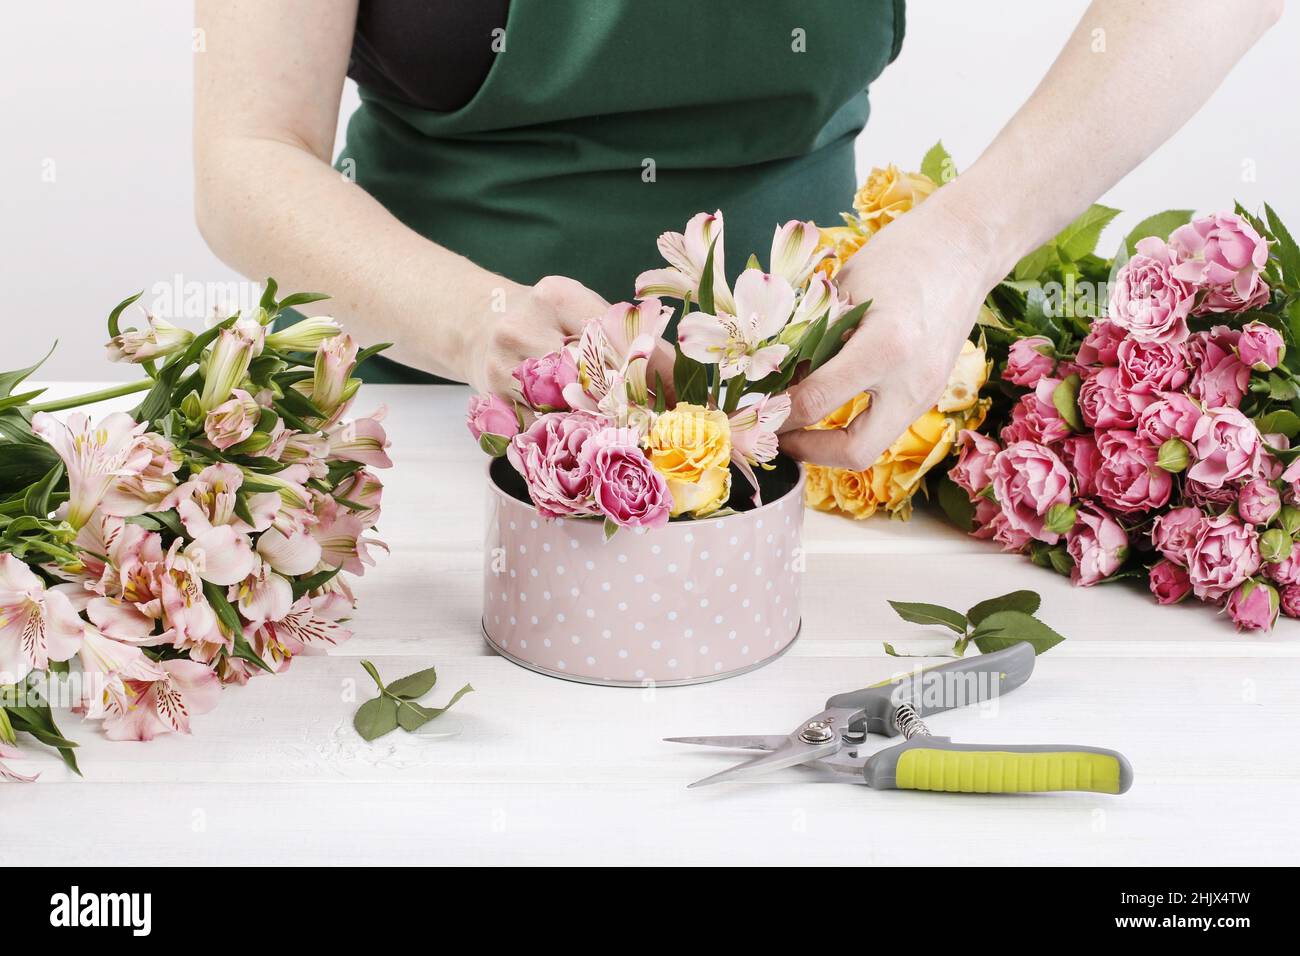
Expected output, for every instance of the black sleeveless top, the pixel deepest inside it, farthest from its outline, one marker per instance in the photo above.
(432, 54)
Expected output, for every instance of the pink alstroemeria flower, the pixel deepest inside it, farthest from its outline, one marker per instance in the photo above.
(150, 708)
(340, 533)
(233, 420)
(686, 254)
(613, 354)
(208, 501)
(106, 665)
(158, 339)
(332, 386)
(735, 343)
(291, 554)
(263, 595)
(227, 365)
(363, 440)
(7, 773)
(753, 434)
(310, 626)
(94, 455)
(795, 251)
(363, 488)
(138, 493)
(37, 625)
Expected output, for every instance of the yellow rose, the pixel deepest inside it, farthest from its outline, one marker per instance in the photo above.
(967, 378)
(844, 415)
(843, 241)
(896, 477)
(690, 445)
(817, 491)
(688, 440)
(701, 498)
(853, 493)
(887, 194)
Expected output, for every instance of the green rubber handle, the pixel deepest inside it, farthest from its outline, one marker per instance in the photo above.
(931, 690)
(936, 763)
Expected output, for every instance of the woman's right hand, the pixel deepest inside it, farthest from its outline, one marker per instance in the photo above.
(536, 320)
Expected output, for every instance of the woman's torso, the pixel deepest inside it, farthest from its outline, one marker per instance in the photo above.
(588, 128)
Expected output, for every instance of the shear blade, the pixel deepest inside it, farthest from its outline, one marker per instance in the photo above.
(790, 754)
(734, 741)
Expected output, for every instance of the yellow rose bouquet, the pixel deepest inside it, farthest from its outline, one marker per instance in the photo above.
(892, 481)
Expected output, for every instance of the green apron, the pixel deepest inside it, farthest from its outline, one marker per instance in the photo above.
(602, 124)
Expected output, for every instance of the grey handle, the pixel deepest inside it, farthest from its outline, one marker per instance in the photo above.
(969, 680)
(936, 763)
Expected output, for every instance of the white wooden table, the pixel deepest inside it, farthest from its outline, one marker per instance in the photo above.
(546, 771)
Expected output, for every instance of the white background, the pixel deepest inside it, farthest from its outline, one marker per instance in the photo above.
(95, 164)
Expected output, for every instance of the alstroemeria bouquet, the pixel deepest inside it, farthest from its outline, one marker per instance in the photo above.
(1148, 408)
(596, 431)
(148, 558)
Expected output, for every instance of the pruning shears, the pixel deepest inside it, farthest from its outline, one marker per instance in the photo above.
(834, 739)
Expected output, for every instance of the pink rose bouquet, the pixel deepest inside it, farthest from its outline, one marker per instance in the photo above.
(149, 558)
(604, 428)
(1146, 422)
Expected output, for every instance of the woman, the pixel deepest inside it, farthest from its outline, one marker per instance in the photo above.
(504, 142)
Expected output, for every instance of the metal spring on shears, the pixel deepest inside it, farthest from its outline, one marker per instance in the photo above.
(909, 723)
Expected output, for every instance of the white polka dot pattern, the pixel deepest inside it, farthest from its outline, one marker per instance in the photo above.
(694, 600)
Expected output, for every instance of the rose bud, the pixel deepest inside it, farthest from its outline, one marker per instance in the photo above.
(1174, 455)
(1169, 582)
(493, 421)
(1274, 545)
(1290, 600)
(1289, 519)
(1253, 606)
(1258, 502)
(1260, 346)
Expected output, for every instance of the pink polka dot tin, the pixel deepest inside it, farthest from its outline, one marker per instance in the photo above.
(693, 601)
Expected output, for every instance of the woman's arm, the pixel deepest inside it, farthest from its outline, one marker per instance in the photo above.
(266, 98)
(1130, 75)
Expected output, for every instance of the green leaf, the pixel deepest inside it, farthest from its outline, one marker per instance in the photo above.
(1034, 265)
(833, 340)
(302, 585)
(938, 165)
(917, 613)
(1286, 250)
(1004, 628)
(661, 394)
(609, 528)
(1079, 238)
(298, 298)
(374, 675)
(11, 380)
(1066, 399)
(1026, 602)
(414, 685)
(494, 445)
(706, 282)
(417, 715)
(1281, 389)
(37, 500)
(690, 380)
(1160, 225)
(1281, 421)
(955, 504)
(376, 717)
(22, 463)
(268, 295)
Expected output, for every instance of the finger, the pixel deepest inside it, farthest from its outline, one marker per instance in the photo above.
(861, 365)
(858, 446)
(573, 303)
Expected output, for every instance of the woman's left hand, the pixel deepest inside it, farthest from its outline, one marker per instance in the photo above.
(926, 276)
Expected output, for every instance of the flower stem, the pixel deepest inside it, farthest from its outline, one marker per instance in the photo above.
(90, 398)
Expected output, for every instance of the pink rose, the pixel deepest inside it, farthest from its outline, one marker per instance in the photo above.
(233, 420)
(1225, 554)
(1028, 480)
(1147, 299)
(1098, 545)
(1035, 418)
(972, 473)
(1173, 416)
(1129, 480)
(1253, 606)
(1290, 600)
(1214, 499)
(491, 415)
(1260, 346)
(1222, 255)
(1286, 571)
(627, 488)
(985, 512)
(1105, 402)
(1081, 456)
(542, 380)
(1004, 533)
(1169, 582)
(549, 456)
(1029, 359)
(1175, 533)
(1218, 376)
(1228, 447)
(1148, 367)
(1101, 345)
(1258, 502)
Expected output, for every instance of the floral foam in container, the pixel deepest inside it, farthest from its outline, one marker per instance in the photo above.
(689, 602)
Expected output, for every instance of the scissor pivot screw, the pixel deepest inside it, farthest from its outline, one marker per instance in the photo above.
(817, 732)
